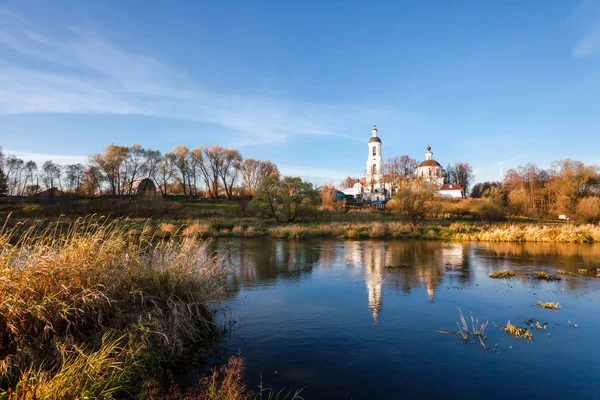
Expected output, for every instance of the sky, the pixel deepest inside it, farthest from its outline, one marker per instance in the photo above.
(302, 83)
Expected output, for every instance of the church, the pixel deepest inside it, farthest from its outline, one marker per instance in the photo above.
(375, 188)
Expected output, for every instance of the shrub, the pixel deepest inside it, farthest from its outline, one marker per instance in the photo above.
(589, 209)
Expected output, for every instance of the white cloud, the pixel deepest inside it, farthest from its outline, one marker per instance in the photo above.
(40, 158)
(85, 73)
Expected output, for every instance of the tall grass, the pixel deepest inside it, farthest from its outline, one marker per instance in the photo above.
(88, 300)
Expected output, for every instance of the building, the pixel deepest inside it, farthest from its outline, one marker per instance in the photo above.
(430, 171)
(374, 176)
(451, 191)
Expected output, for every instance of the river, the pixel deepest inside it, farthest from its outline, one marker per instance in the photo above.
(328, 316)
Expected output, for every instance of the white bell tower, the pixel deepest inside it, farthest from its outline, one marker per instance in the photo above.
(374, 162)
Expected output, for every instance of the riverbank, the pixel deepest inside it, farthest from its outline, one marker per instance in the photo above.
(429, 230)
(353, 227)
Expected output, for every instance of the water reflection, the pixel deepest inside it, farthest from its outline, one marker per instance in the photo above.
(328, 314)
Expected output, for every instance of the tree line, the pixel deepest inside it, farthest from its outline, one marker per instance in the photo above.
(212, 171)
(568, 187)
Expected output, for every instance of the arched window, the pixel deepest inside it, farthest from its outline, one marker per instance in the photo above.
(374, 150)
(373, 167)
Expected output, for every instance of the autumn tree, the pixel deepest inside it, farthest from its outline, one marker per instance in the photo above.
(111, 165)
(254, 172)
(230, 169)
(349, 182)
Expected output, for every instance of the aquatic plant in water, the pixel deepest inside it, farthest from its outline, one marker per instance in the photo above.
(517, 331)
(502, 275)
(549, 305)
(544, 276)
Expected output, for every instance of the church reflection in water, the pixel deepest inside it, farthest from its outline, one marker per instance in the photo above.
(405, 266)
(418, 264)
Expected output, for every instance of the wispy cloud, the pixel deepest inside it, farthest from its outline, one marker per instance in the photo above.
(85, 73)
(589, 45)
(40, 158)
(585, 20)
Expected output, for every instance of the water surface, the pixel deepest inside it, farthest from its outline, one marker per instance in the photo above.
(330, 317)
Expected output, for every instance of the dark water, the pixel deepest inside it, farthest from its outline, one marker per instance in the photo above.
(328, 316)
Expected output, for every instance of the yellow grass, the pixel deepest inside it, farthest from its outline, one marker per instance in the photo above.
(65, 287)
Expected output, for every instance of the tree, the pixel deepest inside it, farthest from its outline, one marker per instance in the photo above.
(254, 172)
(74, 175)
(349, 182)
(413, 205)
(214, 157)
(135, 166)
(480, 188)
(450, 175)
(111, 164)
(230, 169)
(14, 172)
(51, 174)
(30, 174)
(181, 160)
(491, 206)
(3, 183)
(463, 176)
(284, 199)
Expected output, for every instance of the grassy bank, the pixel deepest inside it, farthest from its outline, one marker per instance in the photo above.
(88, 310)
(386, 229)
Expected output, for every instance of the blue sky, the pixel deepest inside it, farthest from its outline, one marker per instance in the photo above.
(302, 83)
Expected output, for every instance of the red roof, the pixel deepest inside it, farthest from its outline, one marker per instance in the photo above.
(451, 186)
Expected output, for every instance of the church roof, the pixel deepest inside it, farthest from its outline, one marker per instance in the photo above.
(451, 186)
(429, 163)
(374, 139)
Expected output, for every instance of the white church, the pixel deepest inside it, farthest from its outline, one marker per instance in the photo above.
(375, 189)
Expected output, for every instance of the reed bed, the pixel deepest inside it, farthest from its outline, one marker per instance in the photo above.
(87, 309)
(502, 275)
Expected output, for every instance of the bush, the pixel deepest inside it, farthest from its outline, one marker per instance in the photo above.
(412, 205)
(589, 209)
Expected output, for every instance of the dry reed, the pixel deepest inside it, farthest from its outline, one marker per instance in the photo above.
(66, 290)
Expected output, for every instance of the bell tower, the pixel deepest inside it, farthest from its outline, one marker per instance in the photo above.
(374, 162)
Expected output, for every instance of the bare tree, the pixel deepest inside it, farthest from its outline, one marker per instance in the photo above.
(214, 157)
(463, 176)
(51, 174)
(254, 173)
(163, 174)
(14, 172)
(135, 166)
(230, 169)
(181, 160)
(74, 175)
